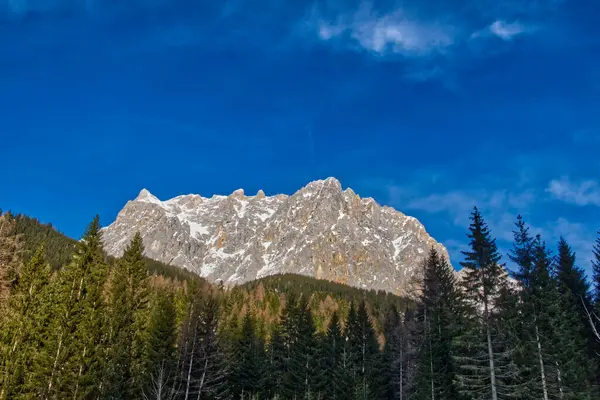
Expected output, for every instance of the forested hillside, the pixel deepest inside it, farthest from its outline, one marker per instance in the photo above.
(78, 324)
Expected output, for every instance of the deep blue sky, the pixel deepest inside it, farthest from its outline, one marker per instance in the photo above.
(427, 106)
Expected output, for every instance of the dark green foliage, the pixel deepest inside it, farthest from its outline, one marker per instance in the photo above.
(332, 363)
(126, 322)
(574, 300)
(59, 248)
(320, 291)
(159, 350)
(483, 351)
(78, 324)
(248, 361)
(26, 320)
(365, 354)
(439, 304)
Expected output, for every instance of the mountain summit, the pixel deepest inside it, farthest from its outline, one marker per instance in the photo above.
(321, 231)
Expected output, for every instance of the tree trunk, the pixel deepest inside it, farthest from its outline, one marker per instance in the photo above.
(201, 385)
(490, 352)
(80, 372)
(60, 341)
(541, 360)
(189, 374)
(560, 388)
(430, 355)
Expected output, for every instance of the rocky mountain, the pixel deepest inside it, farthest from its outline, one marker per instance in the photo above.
(320, 231)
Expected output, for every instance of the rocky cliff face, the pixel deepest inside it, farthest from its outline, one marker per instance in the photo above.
(320, 231)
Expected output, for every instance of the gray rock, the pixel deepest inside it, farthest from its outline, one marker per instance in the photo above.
(320, 231)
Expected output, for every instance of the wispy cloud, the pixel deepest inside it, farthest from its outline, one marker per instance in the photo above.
(504, 30)
(507, 30)
(458, 204)
(394, 32)
(581, 193)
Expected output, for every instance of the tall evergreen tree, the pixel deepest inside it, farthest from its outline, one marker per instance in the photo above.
(276, 364)
(72, 355)
(575, 301)
(523, 316)
(159, 349)
(247, 360)
(396, 354)
(482, 360)
(21, 332)
(439, 303)
(365, 354)
(127, 317)
(208, 370)
(301, 379)
(332, 384)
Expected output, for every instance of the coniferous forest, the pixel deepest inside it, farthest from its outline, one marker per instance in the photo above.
(76, 324)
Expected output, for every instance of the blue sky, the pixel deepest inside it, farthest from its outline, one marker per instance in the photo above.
(427, 106)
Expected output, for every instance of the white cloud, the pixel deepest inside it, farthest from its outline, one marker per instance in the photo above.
(507, 30)
(504, 30)
(393, 32)
(579, 193)
(459, 204)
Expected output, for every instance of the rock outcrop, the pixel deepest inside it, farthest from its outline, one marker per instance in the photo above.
(320, 231)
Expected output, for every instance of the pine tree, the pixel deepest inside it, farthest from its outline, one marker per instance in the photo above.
(247, 360)
(332, 362)
(395, 355)
(482, 358)
(522, 316)
(10, 257)
(439, 303)
(159, 355)
(126, 322)
(365, 354)
(574, 300)
(276, 364)
(73, 352)
(24, 327)
(207, 370)
(302, 361)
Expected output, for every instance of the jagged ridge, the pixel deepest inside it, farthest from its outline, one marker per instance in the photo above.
(320, 231)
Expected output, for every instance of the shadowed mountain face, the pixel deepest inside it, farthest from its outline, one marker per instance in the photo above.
(320, 231)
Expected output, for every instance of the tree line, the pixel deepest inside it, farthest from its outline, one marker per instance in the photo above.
(102, 328)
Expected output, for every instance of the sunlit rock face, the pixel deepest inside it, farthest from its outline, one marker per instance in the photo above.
(320, 231)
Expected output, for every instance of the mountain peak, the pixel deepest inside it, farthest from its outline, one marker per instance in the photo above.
(318, 231)
(146, 196)
(238, 194)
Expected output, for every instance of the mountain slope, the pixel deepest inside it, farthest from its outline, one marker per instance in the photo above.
(320, 231)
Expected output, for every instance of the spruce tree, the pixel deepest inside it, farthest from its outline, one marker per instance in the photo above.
(395, 355)
(159, 354)
(482, 358)
(127, 316)
(276, 364)
(72, 356)
(332, 352)
(303, 358)
(11, 245)
(247, 360)
(365, 354)
(23, 329)
(208, 370)
(520, 315)
(437, 308)
(574, 300)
